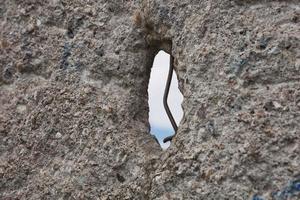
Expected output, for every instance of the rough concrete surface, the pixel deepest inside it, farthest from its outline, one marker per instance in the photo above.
(73, 99)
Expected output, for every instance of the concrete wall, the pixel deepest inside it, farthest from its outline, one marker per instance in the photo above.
(73, 99)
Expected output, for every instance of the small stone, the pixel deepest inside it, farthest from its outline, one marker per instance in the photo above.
(274, 51)
(242, 31)
(285, 44)
(256, 197)
(23, 11)
(55, 2)
(269, 106)
(77, 114)
(8, 73)
(263, 42)
(58, 135)
(297, 65)
(37, 62)
(210, 127)
(238, 65)
(295, 18)
(4, 44)
(120, 178)
(296, 186)
(90, 11)
(38, 22)
(30, 28)
(21, 108)
(277, 105)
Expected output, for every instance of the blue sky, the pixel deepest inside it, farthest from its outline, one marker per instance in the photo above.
(159, 122)
(161, 133)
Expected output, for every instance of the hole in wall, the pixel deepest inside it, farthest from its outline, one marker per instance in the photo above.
(160, 125)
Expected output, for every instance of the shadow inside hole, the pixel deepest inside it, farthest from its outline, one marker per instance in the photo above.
(159, 122)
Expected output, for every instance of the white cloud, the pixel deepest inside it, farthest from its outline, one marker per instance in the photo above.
(158, 78)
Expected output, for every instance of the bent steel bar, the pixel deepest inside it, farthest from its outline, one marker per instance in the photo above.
(166, 100)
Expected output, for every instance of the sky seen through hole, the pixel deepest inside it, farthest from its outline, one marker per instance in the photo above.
(159, 122)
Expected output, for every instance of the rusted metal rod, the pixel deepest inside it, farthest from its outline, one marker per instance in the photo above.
(165, 100)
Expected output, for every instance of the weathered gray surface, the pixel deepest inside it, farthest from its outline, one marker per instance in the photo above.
(73, 99)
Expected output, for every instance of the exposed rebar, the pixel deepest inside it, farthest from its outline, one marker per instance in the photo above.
(165, 100)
